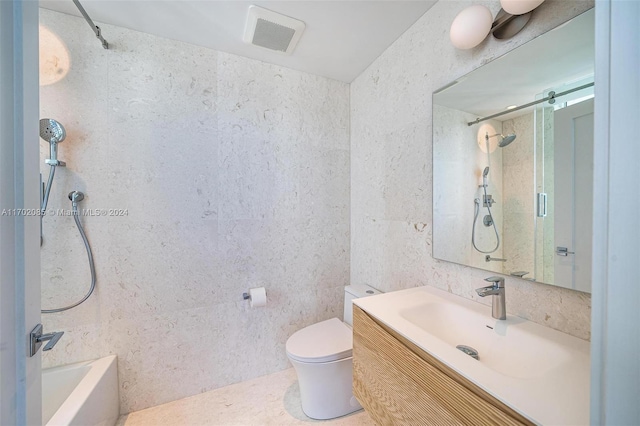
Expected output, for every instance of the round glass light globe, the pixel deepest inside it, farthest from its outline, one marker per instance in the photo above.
(470, 27)
(519, 7)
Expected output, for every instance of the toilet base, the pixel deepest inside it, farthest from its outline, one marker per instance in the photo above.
(326, 389)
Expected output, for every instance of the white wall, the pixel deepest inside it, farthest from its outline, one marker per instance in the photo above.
(615, 371)
(235, 174)
(391, 194)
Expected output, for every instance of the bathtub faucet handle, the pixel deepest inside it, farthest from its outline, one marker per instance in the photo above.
(37, 337)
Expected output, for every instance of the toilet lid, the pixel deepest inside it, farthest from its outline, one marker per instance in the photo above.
(325, 341)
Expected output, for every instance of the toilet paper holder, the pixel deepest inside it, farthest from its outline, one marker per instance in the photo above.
(246, 295)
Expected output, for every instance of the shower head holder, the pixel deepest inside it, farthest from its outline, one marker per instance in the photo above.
(52, 162)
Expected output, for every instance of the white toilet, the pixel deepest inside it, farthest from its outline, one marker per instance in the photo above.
(321, 355)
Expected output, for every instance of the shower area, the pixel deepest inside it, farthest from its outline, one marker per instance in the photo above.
(194, 175)
(492, 164)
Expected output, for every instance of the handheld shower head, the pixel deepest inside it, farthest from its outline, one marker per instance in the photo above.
(485, 173)
(52, 131)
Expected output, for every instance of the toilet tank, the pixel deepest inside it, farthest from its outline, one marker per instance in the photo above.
(354, 292)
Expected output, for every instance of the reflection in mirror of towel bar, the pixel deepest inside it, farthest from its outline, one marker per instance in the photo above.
(488, 258)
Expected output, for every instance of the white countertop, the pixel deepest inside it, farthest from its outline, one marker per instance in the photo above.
(539, 372)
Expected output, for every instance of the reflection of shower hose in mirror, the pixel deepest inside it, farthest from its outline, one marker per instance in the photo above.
(475, 220)
(76, 196)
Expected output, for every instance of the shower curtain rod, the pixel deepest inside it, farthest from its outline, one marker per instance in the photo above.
(94, 27)
(551, 98)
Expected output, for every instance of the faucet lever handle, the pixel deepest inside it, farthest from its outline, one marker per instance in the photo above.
(497, 281)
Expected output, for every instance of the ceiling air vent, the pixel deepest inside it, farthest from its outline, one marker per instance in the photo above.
(272, 30)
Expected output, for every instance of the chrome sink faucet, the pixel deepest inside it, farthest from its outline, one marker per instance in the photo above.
(498, 307)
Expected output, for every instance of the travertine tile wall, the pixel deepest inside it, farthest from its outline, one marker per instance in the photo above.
(391, 195)
(234, 174)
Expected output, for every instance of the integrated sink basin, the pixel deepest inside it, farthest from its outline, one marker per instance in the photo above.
(541, 373)
(511, 347)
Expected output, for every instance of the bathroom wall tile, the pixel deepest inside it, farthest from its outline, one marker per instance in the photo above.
(291, 131)
(212, 343)
(289, 256)
(177, 353)
(270, 190)
(367, 177)
(390, 253)
(154, 80)
(284, 103)
(405, 181)
(394, 165)
(151, 170)
(392, 94)
(80, 342)
(324, 184)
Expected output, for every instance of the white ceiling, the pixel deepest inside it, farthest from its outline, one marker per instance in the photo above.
(340, 40)
(563, 55)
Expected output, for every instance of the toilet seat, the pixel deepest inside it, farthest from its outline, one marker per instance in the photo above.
(326, 341)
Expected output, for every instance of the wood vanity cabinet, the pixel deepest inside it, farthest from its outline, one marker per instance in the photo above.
(398, 383)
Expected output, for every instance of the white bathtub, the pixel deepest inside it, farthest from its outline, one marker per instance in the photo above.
(85, 393)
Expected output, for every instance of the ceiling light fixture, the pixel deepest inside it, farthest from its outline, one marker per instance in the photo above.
(519, 7)
(472, 25)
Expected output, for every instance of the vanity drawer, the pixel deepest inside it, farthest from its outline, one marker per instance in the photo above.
(400, 384)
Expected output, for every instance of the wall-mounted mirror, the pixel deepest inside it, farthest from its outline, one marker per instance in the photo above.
(512, 161)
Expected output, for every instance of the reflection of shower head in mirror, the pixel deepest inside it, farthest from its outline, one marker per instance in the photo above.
(504, 140)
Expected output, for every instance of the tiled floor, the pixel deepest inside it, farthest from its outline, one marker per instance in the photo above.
(269, 400)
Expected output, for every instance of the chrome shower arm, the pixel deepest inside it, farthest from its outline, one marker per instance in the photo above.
(96, 29)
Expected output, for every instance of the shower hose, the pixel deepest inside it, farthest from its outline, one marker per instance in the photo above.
(475, 219)
(74, 206)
